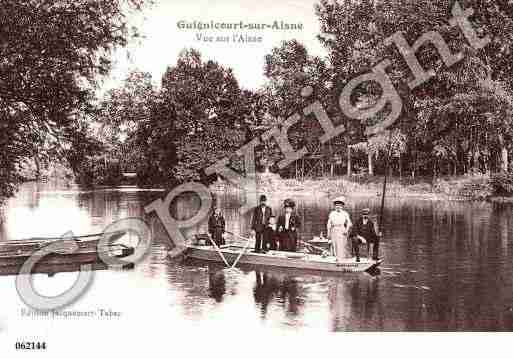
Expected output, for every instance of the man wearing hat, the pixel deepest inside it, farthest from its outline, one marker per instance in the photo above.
(288, 224)
(259, 222)
(338, 227)
(363, 232)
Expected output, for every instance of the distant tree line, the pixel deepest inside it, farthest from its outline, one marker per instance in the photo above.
(458, 122)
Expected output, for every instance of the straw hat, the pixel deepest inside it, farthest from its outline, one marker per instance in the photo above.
(340, 199)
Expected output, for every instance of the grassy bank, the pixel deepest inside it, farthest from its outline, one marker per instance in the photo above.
(473, 188)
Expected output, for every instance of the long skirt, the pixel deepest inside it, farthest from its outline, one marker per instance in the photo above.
(217, 236)
(340, 241)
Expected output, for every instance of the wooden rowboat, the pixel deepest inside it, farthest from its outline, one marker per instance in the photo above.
(87, 241)
(281, 259)
(72, 252)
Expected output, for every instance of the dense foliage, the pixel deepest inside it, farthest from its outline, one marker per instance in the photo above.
(53, 55)
(502, 184)
(197, 116)
(461, 119)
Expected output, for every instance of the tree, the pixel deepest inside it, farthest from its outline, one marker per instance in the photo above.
(123, 111)
(202, 113)
(53, 54)
(289, 69)
(460, 116)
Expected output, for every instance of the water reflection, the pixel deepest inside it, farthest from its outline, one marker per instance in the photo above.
(283, 289)
(447, 265)
(41, 210)
(355, 305)
(216, 285)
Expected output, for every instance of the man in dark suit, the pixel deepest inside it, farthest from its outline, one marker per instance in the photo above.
(288, 225)
(364, 231)
(260, 221)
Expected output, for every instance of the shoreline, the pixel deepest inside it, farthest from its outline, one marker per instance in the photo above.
(458, 189)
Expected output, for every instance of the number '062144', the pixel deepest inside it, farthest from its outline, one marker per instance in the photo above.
(30, 345)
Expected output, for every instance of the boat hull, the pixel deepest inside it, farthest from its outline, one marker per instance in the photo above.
(52, 269)
(81, 256)
(280, 259)
(71, 253)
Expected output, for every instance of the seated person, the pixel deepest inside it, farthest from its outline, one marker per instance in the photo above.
(271, 235)
(364, 232)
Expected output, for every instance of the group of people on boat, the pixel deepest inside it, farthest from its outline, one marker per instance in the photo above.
(273, 233)
(281, 233)
(347, 238)
(270, 232)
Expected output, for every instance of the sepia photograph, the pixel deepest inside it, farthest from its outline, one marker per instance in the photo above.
(289, 178)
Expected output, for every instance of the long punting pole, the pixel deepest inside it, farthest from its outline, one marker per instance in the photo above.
(387, 164)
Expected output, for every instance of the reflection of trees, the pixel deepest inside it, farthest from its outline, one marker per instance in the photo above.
(355, 304)
(3, 234)
(505, 225)
(33, 195)
(29, 196)
(107, 206)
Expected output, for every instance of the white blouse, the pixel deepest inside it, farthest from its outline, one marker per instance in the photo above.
(339, 219)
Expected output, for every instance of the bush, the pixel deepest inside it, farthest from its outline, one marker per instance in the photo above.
(475, 187)
(502, 184)
(93, 173)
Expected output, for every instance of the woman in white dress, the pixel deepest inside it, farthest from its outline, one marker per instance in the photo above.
(339, 225)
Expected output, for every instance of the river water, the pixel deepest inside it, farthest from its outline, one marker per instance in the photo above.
(448, 266)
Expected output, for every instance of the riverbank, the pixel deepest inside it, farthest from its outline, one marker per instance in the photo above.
(461, 188)
(495, 189)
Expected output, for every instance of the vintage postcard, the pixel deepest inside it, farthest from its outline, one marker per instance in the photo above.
(268, 175)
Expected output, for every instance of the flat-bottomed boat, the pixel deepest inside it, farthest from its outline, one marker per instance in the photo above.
(244, 255)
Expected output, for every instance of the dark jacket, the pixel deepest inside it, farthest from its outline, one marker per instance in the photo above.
(260, 220)
(271, 237)
(216, 228)
(289, 237)
(367, 231)
(294, 222)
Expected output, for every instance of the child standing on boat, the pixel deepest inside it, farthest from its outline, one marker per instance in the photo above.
(271, 235)
(216, 226)
(338, 226)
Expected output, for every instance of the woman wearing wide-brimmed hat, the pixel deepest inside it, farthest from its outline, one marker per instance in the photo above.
(288, 224)
(338, 227)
